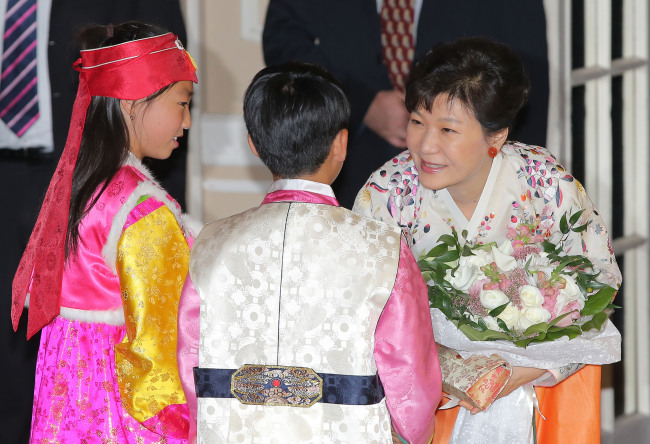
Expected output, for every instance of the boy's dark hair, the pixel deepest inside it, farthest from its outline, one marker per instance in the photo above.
(105, 140)
(293, 112)
(486, 76)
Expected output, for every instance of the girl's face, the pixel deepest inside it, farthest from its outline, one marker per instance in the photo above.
(450, 148)
(154, 127)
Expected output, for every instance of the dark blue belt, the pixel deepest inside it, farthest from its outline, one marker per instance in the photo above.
(337, 389)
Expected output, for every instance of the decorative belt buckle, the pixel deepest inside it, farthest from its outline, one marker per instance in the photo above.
(276, 385)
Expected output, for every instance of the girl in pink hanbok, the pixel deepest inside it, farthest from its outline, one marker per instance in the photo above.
(104, 267)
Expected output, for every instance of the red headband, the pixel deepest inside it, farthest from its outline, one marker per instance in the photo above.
(128, 71)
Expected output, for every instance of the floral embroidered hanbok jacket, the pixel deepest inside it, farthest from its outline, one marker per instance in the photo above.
(525, 184)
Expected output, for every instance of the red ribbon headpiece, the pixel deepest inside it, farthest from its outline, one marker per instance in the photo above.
(128, 71)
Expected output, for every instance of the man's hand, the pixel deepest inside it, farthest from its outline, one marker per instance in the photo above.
(387, 116)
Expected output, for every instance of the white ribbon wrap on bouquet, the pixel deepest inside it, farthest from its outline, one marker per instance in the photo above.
(509, 420)
(592, 347)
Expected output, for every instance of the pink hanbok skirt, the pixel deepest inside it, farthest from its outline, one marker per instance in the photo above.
(76, 397)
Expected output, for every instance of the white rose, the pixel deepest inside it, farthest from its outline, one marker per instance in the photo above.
(463, 278)
(491, 323)
(480, 258)
(502, 257)
(493, 298)
(571, 292)
(533, 315)
(531, 296)
(510, 315)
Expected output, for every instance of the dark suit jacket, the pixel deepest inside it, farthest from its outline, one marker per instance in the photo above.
(344, 37)
(66, 17)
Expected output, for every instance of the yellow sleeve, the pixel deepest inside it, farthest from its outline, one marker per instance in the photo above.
(152, 263)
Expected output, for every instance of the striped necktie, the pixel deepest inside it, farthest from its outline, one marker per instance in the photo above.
(18, 99)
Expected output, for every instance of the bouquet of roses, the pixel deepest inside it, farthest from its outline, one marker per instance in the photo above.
(526, 290)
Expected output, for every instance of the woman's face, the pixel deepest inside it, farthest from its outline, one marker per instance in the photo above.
(449, 147)
(155, 126)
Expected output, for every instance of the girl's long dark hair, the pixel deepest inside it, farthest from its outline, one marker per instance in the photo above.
(105, 140)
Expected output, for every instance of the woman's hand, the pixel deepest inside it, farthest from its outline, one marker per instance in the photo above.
(393, 433)
(519, 377)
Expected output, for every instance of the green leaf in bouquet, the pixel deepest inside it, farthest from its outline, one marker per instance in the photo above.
(497, 310)
(580, 228)
(536, 329)
(465, 320)
(592, 284)
(449, 256)
(438, 251)
(476, 335)
(572, 331)
(448, 239)
(425, 265)
(523, 343)
(564, 226)
(596, 322)
(440, 300)
(467, 251)
(570, 261)
(482, 325)
(575, 217)
(550, 248)
(598, 302)
(527, 266)
(502, 325)
(587, 282)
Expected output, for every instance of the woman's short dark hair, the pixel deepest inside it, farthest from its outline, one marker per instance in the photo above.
(486, 76)
(105, 140)
(293, 112)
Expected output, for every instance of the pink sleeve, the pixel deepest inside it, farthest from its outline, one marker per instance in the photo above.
(188, 347)
(406, 356)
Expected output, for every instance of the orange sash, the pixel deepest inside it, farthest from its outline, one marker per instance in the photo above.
(571, 408)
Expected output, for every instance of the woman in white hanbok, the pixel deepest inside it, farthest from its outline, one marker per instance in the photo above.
(460, 172)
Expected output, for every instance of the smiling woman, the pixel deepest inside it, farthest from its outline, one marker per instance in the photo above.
(451, 150)
(460, 176)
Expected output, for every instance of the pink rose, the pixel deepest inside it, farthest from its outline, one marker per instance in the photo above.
(574, 308)
(550, 298)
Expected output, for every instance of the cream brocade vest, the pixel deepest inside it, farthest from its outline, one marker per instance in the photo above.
(294, 284)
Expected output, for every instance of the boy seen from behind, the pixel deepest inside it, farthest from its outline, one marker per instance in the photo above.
(306, 322)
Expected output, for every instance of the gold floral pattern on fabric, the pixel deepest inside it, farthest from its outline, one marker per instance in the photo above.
(152, 263)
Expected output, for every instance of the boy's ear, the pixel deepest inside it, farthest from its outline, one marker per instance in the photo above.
(251, 145)
(339, 149)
